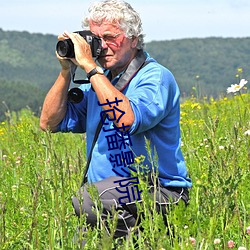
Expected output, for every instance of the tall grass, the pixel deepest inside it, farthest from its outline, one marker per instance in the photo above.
(40, 172)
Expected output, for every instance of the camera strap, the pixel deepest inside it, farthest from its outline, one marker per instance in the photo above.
(136, 64)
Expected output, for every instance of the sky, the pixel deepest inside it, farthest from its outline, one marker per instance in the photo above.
(162, 19)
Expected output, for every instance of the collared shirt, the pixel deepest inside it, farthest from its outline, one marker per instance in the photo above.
(154, 97)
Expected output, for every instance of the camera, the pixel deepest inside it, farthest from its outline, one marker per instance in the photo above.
(65, 48)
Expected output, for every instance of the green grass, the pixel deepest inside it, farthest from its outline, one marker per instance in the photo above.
(40, 172)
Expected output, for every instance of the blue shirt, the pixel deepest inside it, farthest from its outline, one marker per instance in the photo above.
(154, 98)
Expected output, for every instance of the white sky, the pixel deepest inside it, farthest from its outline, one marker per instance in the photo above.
(162, 19)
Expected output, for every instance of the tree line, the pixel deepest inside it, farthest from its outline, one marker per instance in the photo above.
(202, 67)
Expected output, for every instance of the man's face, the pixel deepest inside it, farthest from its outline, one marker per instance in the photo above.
(118, 50)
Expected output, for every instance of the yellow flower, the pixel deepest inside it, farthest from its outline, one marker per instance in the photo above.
(240, 70)
(195, 105)
(139, 159)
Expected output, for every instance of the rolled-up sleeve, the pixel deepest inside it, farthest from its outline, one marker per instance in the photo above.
(75, 117)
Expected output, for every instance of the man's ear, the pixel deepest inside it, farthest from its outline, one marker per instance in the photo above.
(134, 42)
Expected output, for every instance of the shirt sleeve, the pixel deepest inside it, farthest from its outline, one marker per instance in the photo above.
(75, 117)
(153, 97)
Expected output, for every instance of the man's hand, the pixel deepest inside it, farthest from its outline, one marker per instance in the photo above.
(66, 63)
(83, 54)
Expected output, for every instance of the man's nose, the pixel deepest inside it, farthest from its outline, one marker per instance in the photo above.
(104, 44)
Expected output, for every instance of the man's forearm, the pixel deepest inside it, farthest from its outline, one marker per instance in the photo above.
(55, 103)
(105, 90)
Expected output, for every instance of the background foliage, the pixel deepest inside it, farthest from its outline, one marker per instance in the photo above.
(28, 66)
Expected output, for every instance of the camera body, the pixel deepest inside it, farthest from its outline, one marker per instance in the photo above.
(65, 48)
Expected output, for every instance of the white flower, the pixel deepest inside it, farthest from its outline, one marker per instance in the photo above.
(242, 248)
(237, 87)
(217, 241)
(192, 240)
(246, 133)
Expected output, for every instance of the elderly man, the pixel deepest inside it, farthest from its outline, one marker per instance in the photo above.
(140, 101)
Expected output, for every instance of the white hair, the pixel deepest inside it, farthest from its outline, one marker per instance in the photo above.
(120, 13)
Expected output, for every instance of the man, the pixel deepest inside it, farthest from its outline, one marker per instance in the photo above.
(141, 101)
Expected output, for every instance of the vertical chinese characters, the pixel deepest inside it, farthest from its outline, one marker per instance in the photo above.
(119, 139)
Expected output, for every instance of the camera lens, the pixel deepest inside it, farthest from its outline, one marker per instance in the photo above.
(65, 48)
(75, 95)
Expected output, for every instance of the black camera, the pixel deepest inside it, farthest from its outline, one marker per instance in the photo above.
(65, 48)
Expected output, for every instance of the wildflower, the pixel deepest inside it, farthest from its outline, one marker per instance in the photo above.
(247, 133)
(192, 240)
(237, 87)
(248, 230)
(14, 188)
(216, 241)
(242, 248)
(230, 244)
(221, 147)
(198, 182)
(45, 216)
(139, 159)
(240, 70)
(195, 106)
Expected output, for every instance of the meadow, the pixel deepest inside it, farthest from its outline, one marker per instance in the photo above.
(40, 172)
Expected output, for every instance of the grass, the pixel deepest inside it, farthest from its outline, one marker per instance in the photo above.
(40, 172)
